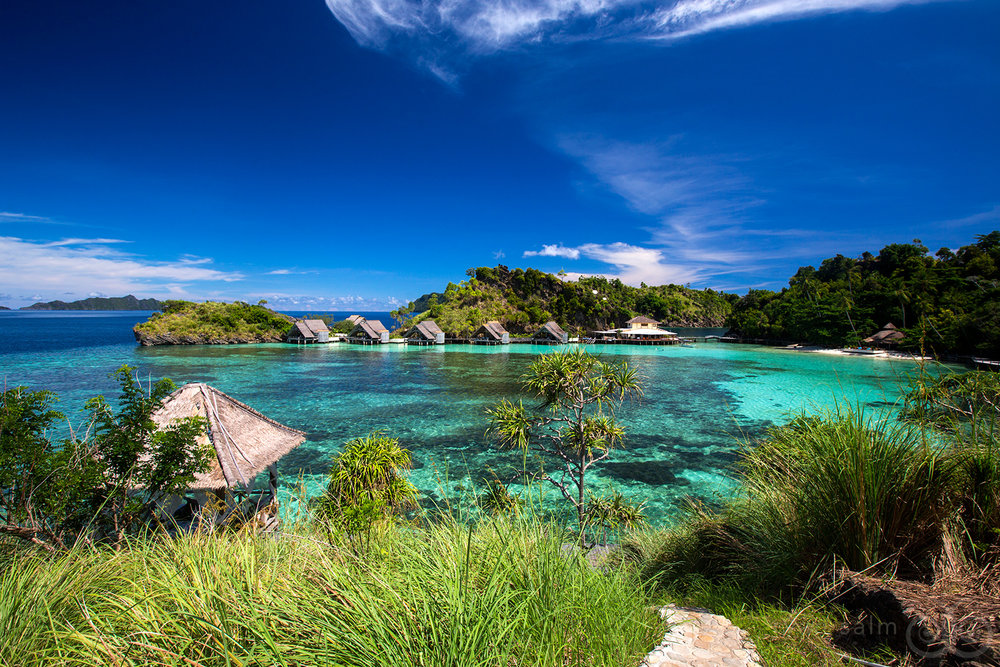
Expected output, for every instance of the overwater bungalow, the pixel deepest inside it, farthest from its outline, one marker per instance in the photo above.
(368, 332)
(550, 334)
(425, 333)
(491, 333)
(309, 331)
(886, 337)
(638, 331)
(244, 442)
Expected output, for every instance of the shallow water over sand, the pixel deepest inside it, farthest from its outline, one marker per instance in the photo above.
(682, 435)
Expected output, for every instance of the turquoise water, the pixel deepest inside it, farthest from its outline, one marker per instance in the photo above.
(682, 435)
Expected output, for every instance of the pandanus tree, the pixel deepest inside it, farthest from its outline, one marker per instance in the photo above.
(575, 426)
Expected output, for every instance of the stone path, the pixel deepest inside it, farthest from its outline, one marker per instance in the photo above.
(699, 638)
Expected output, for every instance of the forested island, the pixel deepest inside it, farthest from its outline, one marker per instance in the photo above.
(948, 303)
(522, 299)
(212, 323)
(128, 302)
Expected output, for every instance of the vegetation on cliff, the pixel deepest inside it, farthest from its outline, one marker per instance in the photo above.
(946, 303)
(212, 323)
(523, 299)
(99, 303)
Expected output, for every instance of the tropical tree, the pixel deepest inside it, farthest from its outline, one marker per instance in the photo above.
(575, 427)
(367, 478)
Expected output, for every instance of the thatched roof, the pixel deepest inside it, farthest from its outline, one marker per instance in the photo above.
(367, 329)
(317, 326)
(354, 318)
(492, 329)
(428, 329)
(641, 319)
(886, 335)
(550, 330)
(245, 441)
(301, 330)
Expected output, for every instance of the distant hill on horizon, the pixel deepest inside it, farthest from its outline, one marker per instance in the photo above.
(128, 302)
(4, 308)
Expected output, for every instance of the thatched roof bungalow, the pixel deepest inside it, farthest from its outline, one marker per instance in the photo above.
(550, 334)
(246, 443)
(425, 333)
(642, 322)
(491, 333)
(368, 332)
(309, 331)
(887, 336)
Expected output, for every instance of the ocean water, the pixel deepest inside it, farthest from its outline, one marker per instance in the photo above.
(682, 435)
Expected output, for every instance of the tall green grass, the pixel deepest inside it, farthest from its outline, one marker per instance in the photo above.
(864, 492)
(498, 593)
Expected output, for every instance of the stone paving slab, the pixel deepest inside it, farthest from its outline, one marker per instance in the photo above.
(699, 638)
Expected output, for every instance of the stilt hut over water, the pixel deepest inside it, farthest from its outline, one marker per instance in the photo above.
(245, 444)
(425, 333)
(550, 334)
(309, 331)
(886, 337)
(642, 322)
(368, 332)
(491, 333)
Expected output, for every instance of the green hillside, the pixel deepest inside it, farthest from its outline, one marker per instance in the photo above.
(212, 323)
(945, 303)
(522, 299)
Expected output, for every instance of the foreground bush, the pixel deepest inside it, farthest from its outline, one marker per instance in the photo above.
(497, 594)
(866, 493)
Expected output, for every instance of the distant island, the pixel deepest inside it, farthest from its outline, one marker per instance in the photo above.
(523, 299)
(4, 308)
(212, 323)
(98, 303)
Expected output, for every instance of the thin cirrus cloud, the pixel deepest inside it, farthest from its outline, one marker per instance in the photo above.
(438, 34)
(58, 267)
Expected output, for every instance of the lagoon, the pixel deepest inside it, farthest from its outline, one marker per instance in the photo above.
(682, 436)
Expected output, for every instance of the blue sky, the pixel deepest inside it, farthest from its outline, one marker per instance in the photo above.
(358, 153)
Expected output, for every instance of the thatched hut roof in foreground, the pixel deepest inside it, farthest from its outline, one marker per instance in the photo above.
(551, 331)
(887, 335)
(245, 441)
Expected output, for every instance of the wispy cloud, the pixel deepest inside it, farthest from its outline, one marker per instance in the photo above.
(555, 250)
(85, 265)
(438, 34)
(989, 215)
(8, 216)
(282, 301)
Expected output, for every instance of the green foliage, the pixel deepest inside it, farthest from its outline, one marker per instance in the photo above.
(948, 303)
(503, 593)
(104, 484)
(862, 492)
(342, 327)
(523, 299)
(613, 513)
(577, 429)
(213, 322)
(367, 482)
(497, 500)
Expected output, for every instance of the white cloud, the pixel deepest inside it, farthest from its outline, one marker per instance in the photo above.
(279, 272)
(84, 265)
(439, 34)
(989, 215)
(7, 216)
(555, 250)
